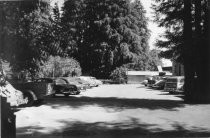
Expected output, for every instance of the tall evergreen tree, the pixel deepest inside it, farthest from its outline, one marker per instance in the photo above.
(169, 14)
(73, 26)
(188, 51)
(202, 61)
(107, 33)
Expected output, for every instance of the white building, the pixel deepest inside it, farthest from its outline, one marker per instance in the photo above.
(135, 77)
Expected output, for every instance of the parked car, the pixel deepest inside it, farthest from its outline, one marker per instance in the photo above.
(174, 84)
(152, 80)
(75, 81)
(13, 96)
(61, 86)
(144, 82)
(98, 82)
(88, 79)
(84, 82)
(159, 84)
(36, 90)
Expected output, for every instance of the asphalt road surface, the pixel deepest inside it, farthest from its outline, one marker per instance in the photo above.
(114, 111)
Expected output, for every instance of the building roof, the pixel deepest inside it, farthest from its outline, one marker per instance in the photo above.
(147, 73)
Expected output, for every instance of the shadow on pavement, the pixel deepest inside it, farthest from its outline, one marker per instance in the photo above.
(115, 103)
(132, 129)
(142, 87)
(115, 130)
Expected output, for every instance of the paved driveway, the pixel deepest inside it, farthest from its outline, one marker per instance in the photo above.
(114, 111)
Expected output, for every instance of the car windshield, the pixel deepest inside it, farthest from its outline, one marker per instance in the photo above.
(160, 82)
(149, 78)
(61, 81)
(73, 80)
(45, 80)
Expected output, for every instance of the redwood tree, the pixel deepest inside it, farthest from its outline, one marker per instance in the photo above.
(187, 25)
(107, 33)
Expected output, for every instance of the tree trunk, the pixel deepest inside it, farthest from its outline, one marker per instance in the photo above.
(198, 54)
(206, 56)
(188, 54)
(197, 62)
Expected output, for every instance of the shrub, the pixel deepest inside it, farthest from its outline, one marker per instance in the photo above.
(61, 67)
(119, 75)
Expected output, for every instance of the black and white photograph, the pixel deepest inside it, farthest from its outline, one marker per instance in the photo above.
(104, 68)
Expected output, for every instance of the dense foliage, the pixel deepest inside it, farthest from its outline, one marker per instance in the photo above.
(101, 35)
(119, 75)
(150, 62)
(60, 67)
(154, 60)
(106, 34)
(26, 33)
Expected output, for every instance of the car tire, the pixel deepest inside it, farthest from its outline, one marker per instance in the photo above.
(171, 92)
(66, 95)
(78, 92)
(30, 98)
(53, 95)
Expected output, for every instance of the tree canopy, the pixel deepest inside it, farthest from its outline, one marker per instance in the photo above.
(101, 35)
(26, 34)
(106, 34)
(168, 14)
(60, 67)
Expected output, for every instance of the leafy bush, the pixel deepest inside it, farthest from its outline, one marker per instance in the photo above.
(60, 67)
(119, 75)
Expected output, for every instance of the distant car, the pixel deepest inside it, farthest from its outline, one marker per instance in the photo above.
(98, 82)
(84, 82)
(152, 80)
(145, 82)
(174, 84)
(76, 81)
(88, 79)
(159, 84)
(35, 91)
(61, 86)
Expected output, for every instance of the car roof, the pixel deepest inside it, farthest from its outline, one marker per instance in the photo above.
(176, 77)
